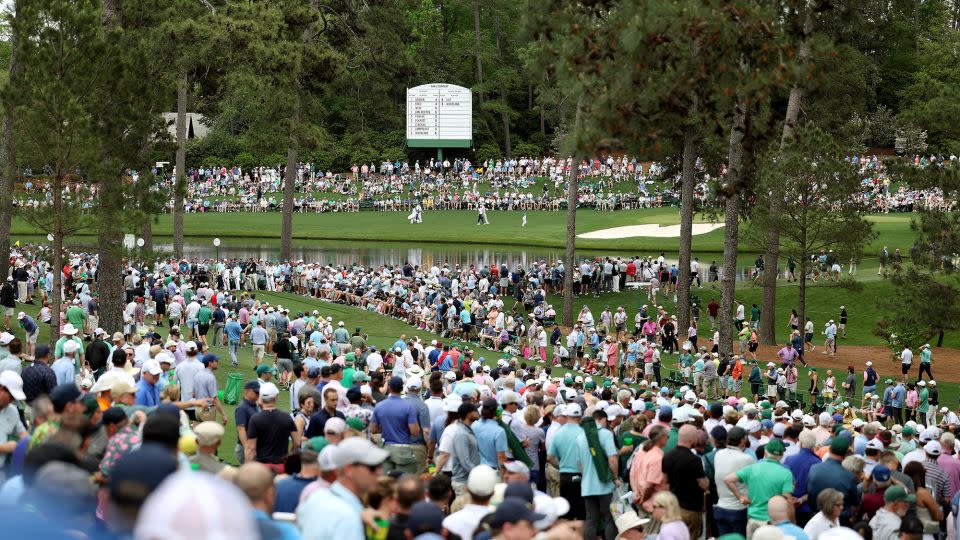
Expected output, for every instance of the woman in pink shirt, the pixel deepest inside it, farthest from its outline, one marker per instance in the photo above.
(613, 356)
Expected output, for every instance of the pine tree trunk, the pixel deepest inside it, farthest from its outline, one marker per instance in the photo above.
(8, 166)
(771, 255)
(731, 232)
(110, 234)
(477, 49)
(56, 301)
(180, 186)
(570, 261)
(504, 114)
(802, 308)
(687, 205)
(289, 187)
(146, 232)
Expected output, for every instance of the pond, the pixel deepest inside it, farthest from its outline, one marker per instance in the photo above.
(375, 254)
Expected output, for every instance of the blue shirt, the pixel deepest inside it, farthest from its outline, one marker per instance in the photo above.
(591, 485)
(491, 439)
(831, 474)
(898, 396)
(791, 529)
(64, 370)
(394, 415)
(564, 446)
(233, 330)
(800, 465)
(288, 493)
(28, 324)
(279, 530)
(148, 394)
(331, 514)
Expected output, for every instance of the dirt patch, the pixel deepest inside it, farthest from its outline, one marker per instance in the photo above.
(945, 366)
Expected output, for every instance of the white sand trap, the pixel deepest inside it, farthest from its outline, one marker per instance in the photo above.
(651, 230)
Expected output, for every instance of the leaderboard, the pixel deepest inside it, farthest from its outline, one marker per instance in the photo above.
(439, 112)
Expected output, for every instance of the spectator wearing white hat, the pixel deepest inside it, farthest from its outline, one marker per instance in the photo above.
(335, 512)
(65, 366)
(11, 427)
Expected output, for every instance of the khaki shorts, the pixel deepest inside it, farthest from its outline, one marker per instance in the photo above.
(258, 351)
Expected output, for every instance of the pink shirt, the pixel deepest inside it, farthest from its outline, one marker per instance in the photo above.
(951, 466)
(646, 472)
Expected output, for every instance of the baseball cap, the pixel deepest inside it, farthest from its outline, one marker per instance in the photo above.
(269, 390)
(137, 474)
(513, 510)
(252, 385)
(880, 473)
(875, 444)
(933, 448)
(209, 358)
(425, 517)
(264, 368)
(208, 433)
(70, 347)
(358, 450)
(775, 447)
(63, 394)
(840, 445)
(13, 383)
(335, 425)
(898, 494)
(573, 410)
(120, 388)
(482, 480)
(113, 416)
(152, 367)
(396, 384)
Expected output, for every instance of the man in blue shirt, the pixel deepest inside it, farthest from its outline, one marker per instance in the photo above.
(564, 452)
(897, 398)
(831, 474)
(800, 465)
(257, 484)
(30, 330)
(148, 393)
(245, 410)
(396, 420)
(491, 438)
(234, 332)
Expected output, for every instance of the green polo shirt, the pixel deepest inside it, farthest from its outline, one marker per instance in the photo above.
(764, 479)
(203, 315)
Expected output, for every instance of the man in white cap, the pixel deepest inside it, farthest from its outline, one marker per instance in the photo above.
(30, 331)
(335, 512)
(65, 366)
(480, 488)
(11, 428)
(270, 431)
(7, 360)
(564, 453)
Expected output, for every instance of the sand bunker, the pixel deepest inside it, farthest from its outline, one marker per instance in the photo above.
(651, 230)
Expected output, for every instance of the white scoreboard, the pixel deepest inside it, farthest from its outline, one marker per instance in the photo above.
(439, 116)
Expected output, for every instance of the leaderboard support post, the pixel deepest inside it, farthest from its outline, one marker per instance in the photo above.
(440, 155)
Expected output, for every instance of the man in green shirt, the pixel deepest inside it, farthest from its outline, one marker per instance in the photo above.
(77, 316)
(764, 479)
(203, 321)
(926, 355)
(923, 399)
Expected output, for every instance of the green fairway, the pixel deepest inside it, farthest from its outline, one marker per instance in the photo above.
(544, 229)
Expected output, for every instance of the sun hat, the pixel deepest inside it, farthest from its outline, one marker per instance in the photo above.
(481, 481)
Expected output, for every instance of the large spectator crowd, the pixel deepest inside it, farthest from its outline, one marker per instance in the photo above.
(569, 434)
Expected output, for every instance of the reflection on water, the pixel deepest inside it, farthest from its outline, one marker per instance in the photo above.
(375, 254)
